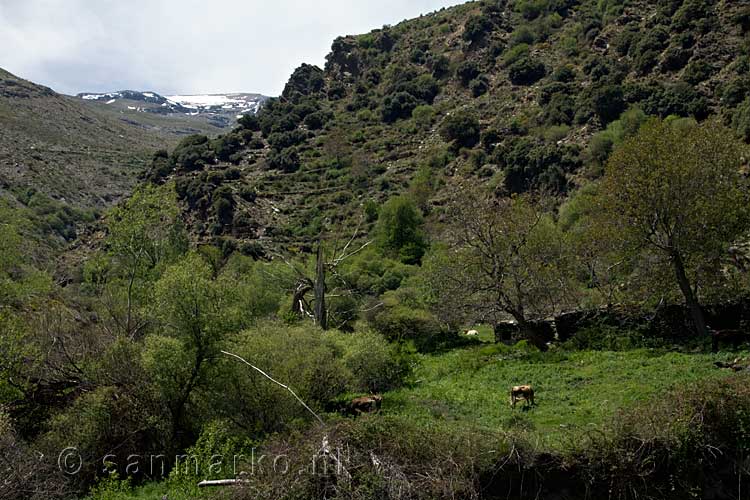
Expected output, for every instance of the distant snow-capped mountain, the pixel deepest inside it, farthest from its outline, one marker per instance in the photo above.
(220, 109)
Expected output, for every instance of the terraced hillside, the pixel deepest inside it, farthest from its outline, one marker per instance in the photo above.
(510, 94)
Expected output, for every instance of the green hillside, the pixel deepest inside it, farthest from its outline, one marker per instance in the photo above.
(545, 199)
(62, 162)
(513, 95)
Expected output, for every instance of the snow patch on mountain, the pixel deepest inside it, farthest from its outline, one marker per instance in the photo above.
(220, 109)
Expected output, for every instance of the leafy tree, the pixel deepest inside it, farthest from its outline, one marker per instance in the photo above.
(144, 234)
(196, 312)
(505, 257)
(399, 230)
(679, 194)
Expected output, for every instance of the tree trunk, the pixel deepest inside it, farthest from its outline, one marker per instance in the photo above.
(696, 313)
(321, 316)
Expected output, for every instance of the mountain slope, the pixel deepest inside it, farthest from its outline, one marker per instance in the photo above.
(66, 150)
(178, 114)
(509, 94)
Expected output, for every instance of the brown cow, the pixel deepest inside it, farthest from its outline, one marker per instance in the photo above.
(525, 392)
(365, 404)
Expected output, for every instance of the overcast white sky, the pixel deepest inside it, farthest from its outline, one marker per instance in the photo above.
(182, 46)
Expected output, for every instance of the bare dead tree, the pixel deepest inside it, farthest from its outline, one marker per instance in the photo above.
(318, 284)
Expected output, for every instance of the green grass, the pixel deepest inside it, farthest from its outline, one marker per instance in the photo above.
(576, 392)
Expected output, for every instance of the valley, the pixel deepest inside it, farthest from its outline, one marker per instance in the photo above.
(503, 197)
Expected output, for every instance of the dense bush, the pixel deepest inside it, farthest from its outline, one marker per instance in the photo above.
(741, 120)
(476, 28)
(531, 164)
(697, 72)
(399, 322)
(526, 71)
(375, 365)
(306, 80)
(287, 160)
(250, 122)
(462, 128)
(560, 109)
(284, 140)
(194, 152)
(479, 86)
(398, 106)
(679, 99)
(675, 58)
(467, 71)
(226, 146)
(399, 231)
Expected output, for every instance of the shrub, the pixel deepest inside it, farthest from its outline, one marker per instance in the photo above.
(679, 99)
(560, 110)
(256, 143)
(467, 71)
(440, 66)
(283, 140)
(302, 358)
(476, 28)
(526, 160)
(734, 92)
(375, 365)
(741, 120)
(250, 122)
(306, 80)
(608, 102)
(564, 74)
(697, 72)
(25, 475)
(286, 160)
(526, 71)
(522, 35)
(315, 121)
(424, 88)
(194, 152)
(399, 230)
(423, 115)
(515, 54)
(462, 129)
(399, 323)
(675, 58)
(226, 146)
(479, 86)
(223, 210)
(398, 106)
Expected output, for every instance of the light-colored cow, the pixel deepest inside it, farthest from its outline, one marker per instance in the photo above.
(522, 392)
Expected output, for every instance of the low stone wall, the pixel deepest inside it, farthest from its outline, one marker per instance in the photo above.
(667, 322)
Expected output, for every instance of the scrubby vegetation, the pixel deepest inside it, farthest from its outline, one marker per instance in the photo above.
(569, 176)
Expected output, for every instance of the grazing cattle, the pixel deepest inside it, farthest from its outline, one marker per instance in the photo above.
(472, 333)
(365, 404)
(522, 392)
(734, 337)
